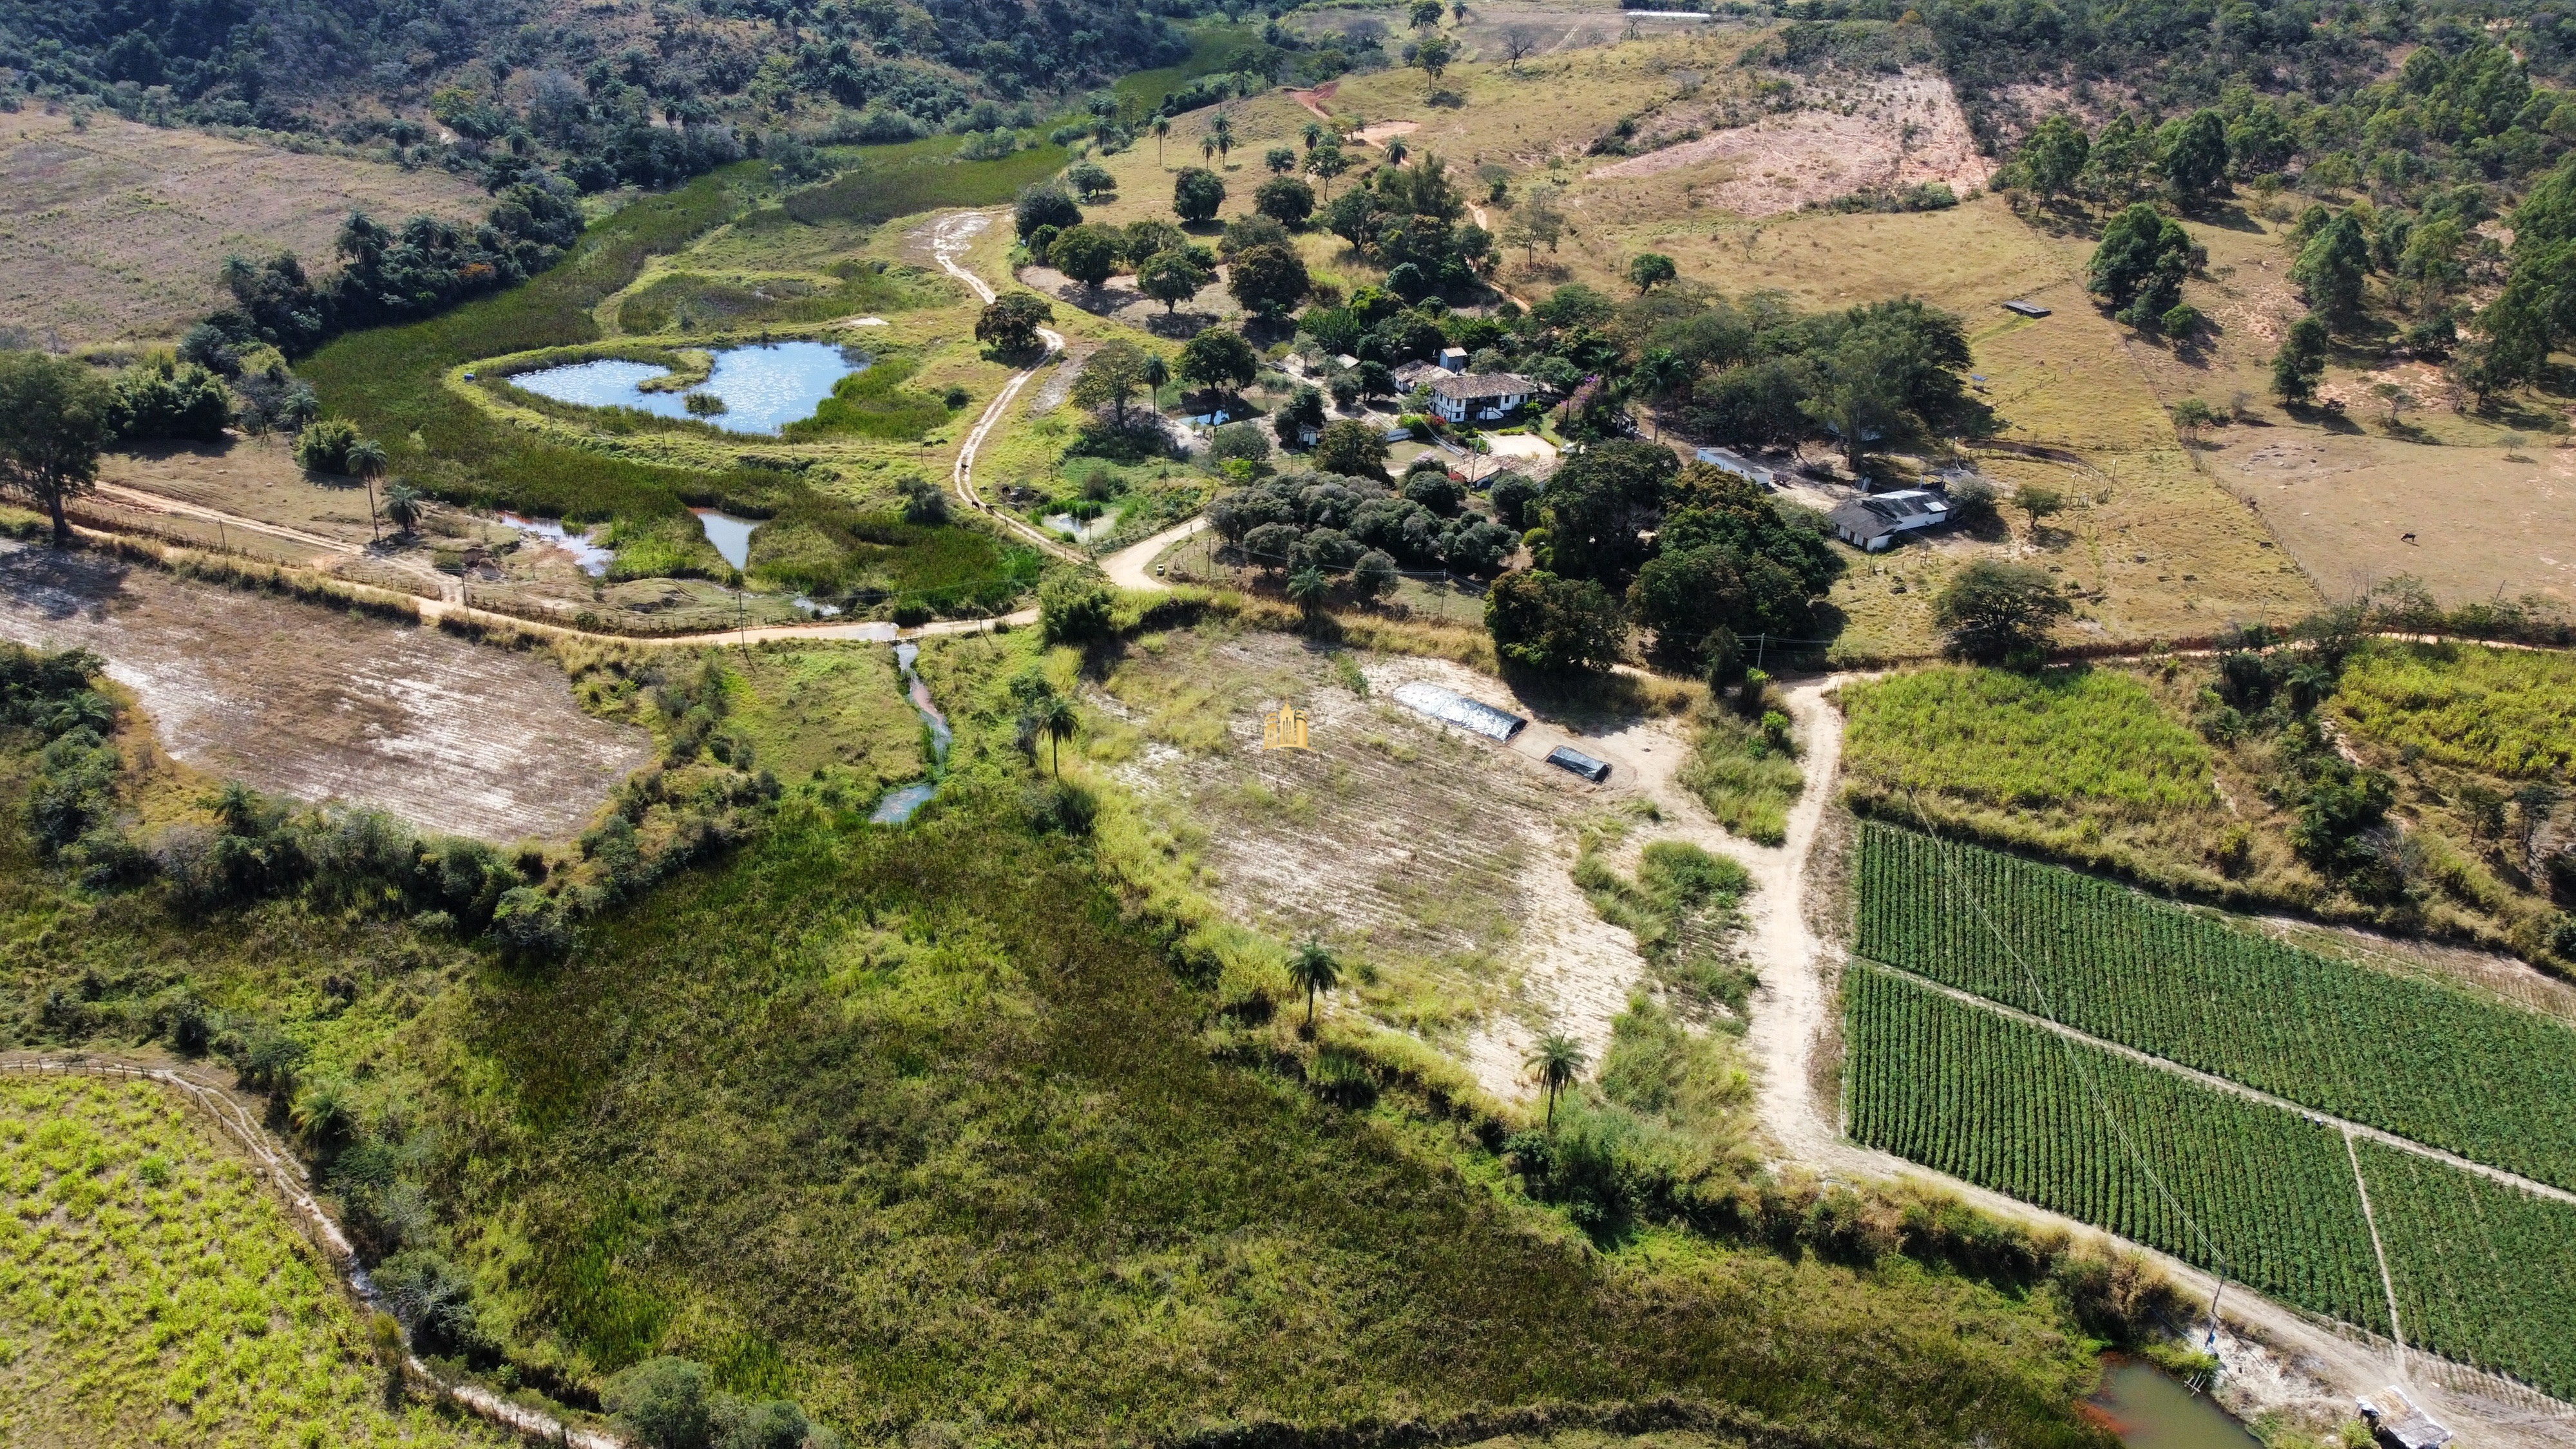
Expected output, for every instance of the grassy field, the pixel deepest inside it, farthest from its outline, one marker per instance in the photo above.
(2498, 712)
(2107, 767)
(827, 712)
(112, 231)
(2090, 738)
(152, 1289)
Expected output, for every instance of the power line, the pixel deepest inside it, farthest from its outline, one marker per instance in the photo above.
(2101, 1100)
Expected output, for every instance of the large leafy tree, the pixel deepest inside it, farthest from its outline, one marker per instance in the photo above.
(1010, 322)
(1197, 193)
(1172, 277)
(55, 415)
(2333, 268)
(1044, 204)
(2301, 362)
(1111, 378)
(1351, 448)
(1999, 613)
(1268, 280)
(2140, 266)
(1558, 625)
(1219, 358)
(2191, 155)
(1599, 506)
(1087, 253)
(1286, 200)
(2054, 156)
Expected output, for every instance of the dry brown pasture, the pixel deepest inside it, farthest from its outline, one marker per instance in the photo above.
(322, 705)
(113, 231)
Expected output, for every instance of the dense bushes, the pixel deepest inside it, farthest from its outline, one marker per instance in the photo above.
(1329, 521)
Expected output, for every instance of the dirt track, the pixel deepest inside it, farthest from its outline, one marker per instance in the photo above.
(304, 701)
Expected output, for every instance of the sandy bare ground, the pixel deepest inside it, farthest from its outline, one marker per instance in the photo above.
(322, 706)
(117, 230)
(1884, 134)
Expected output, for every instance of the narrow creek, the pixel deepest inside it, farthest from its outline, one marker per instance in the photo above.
(898, 804)
(2151, 1409)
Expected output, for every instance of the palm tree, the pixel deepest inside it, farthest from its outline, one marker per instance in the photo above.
(1313, 133)
(1056, 719)
(404, 505)
(1207, 148)
(1222, 132)
(1157, 372)
(1314, 969)
(1307, 589)
(1558, 1060)
(366, 459)
(1395, 151)
(322, 1113)
(1162, 128)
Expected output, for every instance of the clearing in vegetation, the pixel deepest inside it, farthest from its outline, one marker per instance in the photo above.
(2013, 1106)
(325, 705)
(155, 1292)
(113, 231)
(2440, 1066)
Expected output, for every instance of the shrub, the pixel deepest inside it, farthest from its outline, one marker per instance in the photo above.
(324, 446)
(1075, 607)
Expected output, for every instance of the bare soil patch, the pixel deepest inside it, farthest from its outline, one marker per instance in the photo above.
(116, 230)
(1119, 300)
(322, 706)
(2482, 522)
(1440, 862)
(1870, 135)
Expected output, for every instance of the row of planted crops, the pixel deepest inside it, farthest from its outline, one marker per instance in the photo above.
(2482, 1271)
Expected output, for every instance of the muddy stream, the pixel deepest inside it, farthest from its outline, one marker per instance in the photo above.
(898, 804)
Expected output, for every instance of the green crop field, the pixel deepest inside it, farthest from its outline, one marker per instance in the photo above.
(2012, 1106)
(2429, 1063)
(2485, 1273)
(2506, 712)
(2003, 738)
(153, 1292)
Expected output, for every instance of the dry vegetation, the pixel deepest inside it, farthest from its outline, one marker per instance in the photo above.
(293, 698)
(113, 230)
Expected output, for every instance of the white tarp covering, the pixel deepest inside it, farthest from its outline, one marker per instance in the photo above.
(1450, 707)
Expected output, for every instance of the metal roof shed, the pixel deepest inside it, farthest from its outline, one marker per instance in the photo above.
(1579, 763)
(1450, 707)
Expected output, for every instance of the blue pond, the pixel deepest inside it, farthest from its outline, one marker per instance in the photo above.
(764, 387)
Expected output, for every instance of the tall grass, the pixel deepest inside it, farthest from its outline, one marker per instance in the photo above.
(2000, 738)
(2508, 712)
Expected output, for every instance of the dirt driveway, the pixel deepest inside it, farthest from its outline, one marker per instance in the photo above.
(321, 705)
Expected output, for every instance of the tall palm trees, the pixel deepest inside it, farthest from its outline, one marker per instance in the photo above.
(1314, 969)
(1055, 718)
(1162, 129)
(1557, 1060)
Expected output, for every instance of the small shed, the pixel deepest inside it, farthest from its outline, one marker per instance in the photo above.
(2025, 307)
(1579, 763)
(1735, 462)
(1872, 524)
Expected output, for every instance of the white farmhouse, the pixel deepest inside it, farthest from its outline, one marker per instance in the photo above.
(1872, 524)
(1480, 397)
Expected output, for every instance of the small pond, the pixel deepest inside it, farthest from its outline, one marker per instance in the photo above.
(1079, 531)
(898, 804)
(764, 387)
(593, 557)
(730, 535)
(2149, 1409)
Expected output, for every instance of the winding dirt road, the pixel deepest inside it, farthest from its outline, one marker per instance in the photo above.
(950, 236)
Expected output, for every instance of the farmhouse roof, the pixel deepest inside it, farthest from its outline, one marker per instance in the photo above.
(1468, 386)
(1886, 513)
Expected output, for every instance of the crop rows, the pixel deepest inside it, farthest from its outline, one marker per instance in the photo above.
(2429, 1063)
(2485, 1273)
(2013, 1106)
